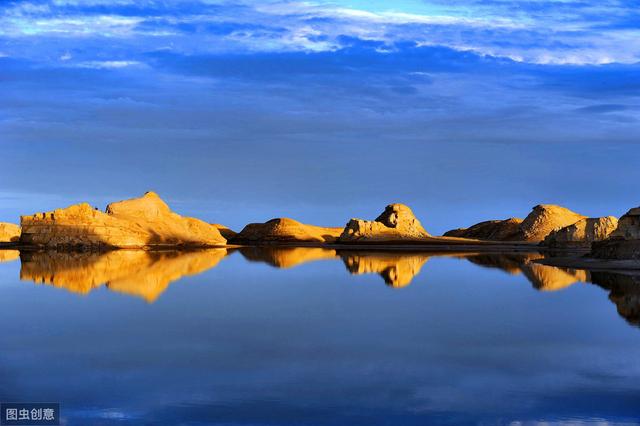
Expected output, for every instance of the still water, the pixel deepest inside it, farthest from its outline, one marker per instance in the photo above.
(318, 337)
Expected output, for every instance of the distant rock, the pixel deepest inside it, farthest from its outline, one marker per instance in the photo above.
(624, 242)
(224, 231)
(582, 233)
(9, 233)
(396, 224)
(140, 222)
(492, 230)
(545, 218)
(285, 230)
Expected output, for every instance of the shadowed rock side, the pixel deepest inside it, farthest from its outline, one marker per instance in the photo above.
(9, 255)
(9, 233)
(397, 269)
(582, 233)
(491, 230)
(140, 222)
(396, 224)
(286, 257)
(624, 242)
(285, 230)
(624, 292)
(133, 272)
(224, 231)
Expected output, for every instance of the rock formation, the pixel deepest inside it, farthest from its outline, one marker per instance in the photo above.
(624, 242)
(141, 273)
(545, 218)
(225, 231)
(492, 230)
(285, 230)
(140, 222)
(397, 269)
(396, 224)
(9, 233)
(582, 233)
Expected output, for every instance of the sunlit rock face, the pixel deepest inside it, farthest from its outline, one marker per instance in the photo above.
(582, 233)
(624, 242)
(134, 272)
(285, 230)
(624, 291)
(544, 219)
(140, 222)
(287, 257)
(491, 230)
(9, 233)
(397, 269)
(9, 255)
(396, 224)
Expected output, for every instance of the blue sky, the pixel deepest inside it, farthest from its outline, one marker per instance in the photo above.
(246, 110)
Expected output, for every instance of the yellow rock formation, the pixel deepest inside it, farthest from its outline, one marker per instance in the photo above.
(396, 224)
(285, 230)
(397, 269)
(9, 233)
(9, 255)
(583, 232)
(544, 219)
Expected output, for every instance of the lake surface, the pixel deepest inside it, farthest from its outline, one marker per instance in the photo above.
(316, 337)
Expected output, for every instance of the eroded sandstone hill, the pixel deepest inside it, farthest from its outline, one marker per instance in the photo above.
(9, 232)
(397, 223)
(624, 242)
(140, 222)
(492, 230)
(285, 230)
(582, 233)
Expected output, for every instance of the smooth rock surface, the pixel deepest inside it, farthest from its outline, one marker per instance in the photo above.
(582, 233)
(140, 222)
(285, 230)
(9, 233)
(397, 223)
(545, 218)
(492, 230)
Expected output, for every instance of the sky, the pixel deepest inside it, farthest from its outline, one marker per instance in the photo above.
(238, 112)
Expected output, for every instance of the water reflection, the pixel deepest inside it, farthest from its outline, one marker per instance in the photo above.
(147, 274)
(137, 273)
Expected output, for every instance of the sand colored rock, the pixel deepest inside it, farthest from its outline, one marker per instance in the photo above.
(551, 278)
(285, 230)
(582, 233)
(396, 224)
(9, 233)
(145, 274)
(397, 269)
(624, 242)
(544, 219)
(9, 255)
(225, 231)
(628, 225)
(140, 222)
(492, 230)
(287, 257)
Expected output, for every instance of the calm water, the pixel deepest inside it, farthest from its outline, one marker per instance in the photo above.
(315, 337)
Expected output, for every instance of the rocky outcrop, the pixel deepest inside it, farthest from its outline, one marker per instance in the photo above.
(582, 233)
(624, 242)
(545, 218)
(140, 273)
(137, 223)
(492, 230)
(285, 230)
(396, 224)
(9, 233)
(225, 231)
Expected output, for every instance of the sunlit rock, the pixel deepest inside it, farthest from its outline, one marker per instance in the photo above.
(9, 233)
(397, 269)
(582, 233)
(624, 242)
(287, 257)
(9, 255)
(396, 224)
(285, 230)
(145, 274)
(544, 219)
(140, 222)
(492, 230)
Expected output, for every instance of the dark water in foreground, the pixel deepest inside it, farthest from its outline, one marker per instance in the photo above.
(315, 337)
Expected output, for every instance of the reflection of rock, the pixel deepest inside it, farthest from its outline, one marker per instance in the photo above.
(492, 230)
(9, 255)
(624, 291)
(545, 218)
(510, 262)
(582, 233)
(135, 272)
(285, 230)
(286, 257)
(9, 233)
(397, 269)
(550, 278)
(139, 222)
(396, 223)
(624, 242)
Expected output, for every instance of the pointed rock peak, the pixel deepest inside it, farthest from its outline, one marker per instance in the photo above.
(149, 205)
(545, 218)
(396, 223)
